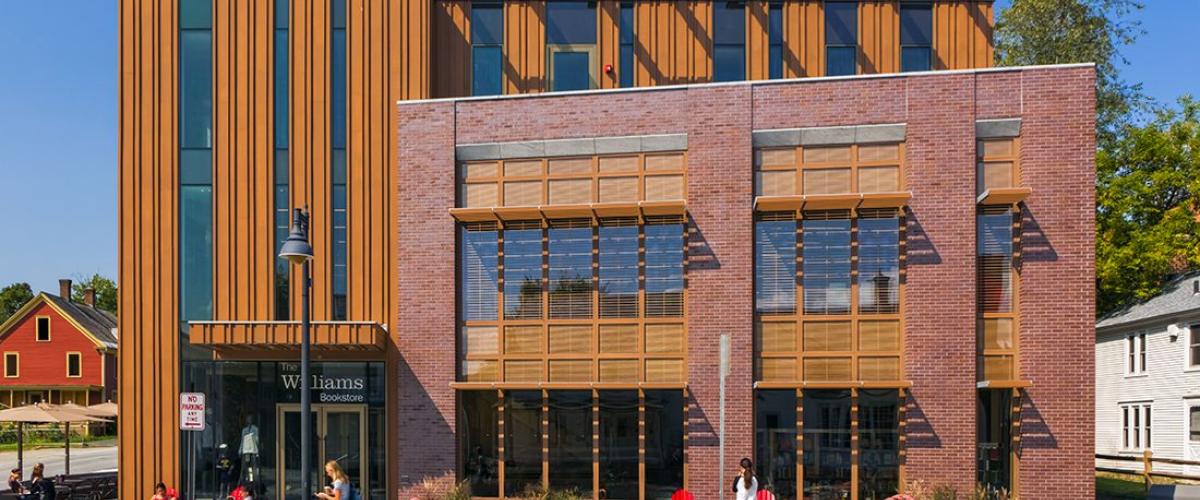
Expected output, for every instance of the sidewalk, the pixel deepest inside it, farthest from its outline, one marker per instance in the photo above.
(97, 457)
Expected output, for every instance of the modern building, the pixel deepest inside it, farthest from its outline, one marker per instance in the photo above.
(535, 220)
(1148, 378)
(58, 351)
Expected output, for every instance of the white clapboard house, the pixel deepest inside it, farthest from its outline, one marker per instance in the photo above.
(1148, 378)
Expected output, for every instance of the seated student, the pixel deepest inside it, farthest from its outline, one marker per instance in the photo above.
(40, 488)
(161, 492)
(14, 482)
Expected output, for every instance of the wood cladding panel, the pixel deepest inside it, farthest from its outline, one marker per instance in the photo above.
(148, 236)
(803, 38)
(608, 42)
(962, 34)
(243, 194)
(451, 48)
(673, 42)
(879, 36)
(758, 61)
(524, 46)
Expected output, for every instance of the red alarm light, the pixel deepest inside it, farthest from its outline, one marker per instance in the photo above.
(608, 68)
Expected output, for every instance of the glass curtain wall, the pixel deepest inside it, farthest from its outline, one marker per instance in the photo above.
(195, 159)
(282, 211)
(337, 111)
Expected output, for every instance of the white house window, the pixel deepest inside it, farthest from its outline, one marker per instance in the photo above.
(1135, 354)
(1194, 424)
(1135, 425)
(1194, 346)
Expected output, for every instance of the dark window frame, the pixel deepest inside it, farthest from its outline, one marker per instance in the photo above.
(12, 369)
(491, 47)
(627, 19)
(42, 328)
(841, 46)
(775, 48)
(926, 44)
(78, 358)
(739, 73)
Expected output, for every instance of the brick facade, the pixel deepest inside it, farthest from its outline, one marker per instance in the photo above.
(940, 109)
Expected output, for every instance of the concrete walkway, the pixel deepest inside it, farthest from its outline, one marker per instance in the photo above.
(83, 460)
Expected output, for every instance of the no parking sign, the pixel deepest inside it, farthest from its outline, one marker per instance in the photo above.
(191, 411)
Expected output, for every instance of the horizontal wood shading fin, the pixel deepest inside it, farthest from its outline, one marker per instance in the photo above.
(285, 335)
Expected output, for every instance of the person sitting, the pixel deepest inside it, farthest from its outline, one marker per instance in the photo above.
(14, 482)
(40, 488)
(161, 492)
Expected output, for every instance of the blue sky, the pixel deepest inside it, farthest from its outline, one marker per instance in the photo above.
(58, 127)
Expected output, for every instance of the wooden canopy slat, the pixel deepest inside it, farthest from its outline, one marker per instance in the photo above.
(282, 335)
(1004, 196)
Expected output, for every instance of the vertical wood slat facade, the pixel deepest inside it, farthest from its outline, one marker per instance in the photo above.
(879, 36)
(962, 34)
(524, 46)
(672, 42)
(452, 48)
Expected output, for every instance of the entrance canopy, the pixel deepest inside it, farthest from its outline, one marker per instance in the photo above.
(354, 336)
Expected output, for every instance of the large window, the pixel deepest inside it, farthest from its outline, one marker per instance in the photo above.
(487, 47)
(827, 441)
(994, 266)
(775, 441)
(916, 35)
(553, 430)
(562, 284)
(848, 325)
(1194, 346)
(625, 55)
(1135, 423)
(282, 209)
(1194, 424)
(729, 41)
(337, 110)
(195, 160)
(841, 38)
(1135, 354)
(878, 444)
(571, 44)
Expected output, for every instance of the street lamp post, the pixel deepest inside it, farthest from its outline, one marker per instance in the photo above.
(297, 250)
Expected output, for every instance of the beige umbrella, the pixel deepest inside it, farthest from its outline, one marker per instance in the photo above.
(42, 413)
(106, 410)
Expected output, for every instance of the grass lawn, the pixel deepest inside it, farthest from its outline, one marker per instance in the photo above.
(1119, 486)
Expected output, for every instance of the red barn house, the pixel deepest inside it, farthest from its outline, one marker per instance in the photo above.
(58, 351)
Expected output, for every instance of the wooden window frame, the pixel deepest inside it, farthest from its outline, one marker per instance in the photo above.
(593, 62)
(1134, 349)
(854, 165)
(78, 356)
(1013, 315)
(1136, 426)
(643, 323)
(855, 318)
(544, 177)
(545, 480)
(37, 334)
(16, 364)
(982, 160)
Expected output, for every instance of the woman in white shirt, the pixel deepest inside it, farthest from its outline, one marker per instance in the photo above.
(340, 490)
(746, 485)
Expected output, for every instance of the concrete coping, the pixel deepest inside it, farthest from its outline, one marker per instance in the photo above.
(830, 136)
(586, 146)
(997, 128)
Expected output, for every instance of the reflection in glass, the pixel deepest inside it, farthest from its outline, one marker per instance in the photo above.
(337, 138)
(570, 22)
(523, 273)
(522, 441)
(487, 38)
(571, 70)
(826, 444)
(618, 271)
(994, 253)
(729, 41)
(841, 38)
(994, 440)
(775, 267)
(619, 445)
(878, 444)
(826, 266)
(570, 421)
(479, 431)
(195, 253)
(916, 35)
(570, 260)
(480, 274)
(878, 265)
(664, 443)
(626, 45)
(775, 441)
(664, 270)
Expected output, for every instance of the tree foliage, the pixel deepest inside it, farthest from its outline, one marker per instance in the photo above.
(106, 292)
(1034, 32)
(12, 297)
(1148, 205)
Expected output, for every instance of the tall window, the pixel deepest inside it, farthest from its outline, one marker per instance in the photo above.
(664, 269)
(827, 437)
(878, 265)
(571, 44)
(195, 160)
(1135, 354)
(729, 41)
(916, 36)
(826, 240)
(337, 109)
(487, 47)
(775, 264)
(282, 210)
(841, 38)
(42, 325)
(1136, 420)
(1194, 424)
(618, 272)
(570, 265)
(625, 55)
(997, 339)
(523, 272)
(775, 39)
(1194, 346)
(74, 364)
(481, 276)
(775, 441)
(12, 364)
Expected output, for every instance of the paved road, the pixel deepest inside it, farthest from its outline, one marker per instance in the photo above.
(93, 459)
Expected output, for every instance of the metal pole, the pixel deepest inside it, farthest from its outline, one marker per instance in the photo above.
(724, 368)
(305, 399)
(21, 446)
(67, 434)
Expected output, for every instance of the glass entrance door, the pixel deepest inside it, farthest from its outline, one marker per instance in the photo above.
(338, 434)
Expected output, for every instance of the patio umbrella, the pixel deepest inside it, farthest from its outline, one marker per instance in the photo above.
(106, 410)
(42, 413)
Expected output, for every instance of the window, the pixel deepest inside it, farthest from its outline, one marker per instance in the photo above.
(337, 110)
(12, 364)
(480, 272)
(841, 38)
(74, 365)
(664, 442)
(775, 264)
(775, 39)
(487, 47)
(878, 263)
(43, 328)
(916, 35)
(1136, 419)
(626, 45)
(729, 41)
(618, 259)
(1135, 354)
(1194, 346)
(827, 437)
(570, 436)
(1194, 424)
(775, 441)
(571, 45)
(195, 159)
(619, 443)
(664, 267)
(479, 431)
(994, 267)
(283, 214)
(523, 272)
(570, 265)
(826, 262)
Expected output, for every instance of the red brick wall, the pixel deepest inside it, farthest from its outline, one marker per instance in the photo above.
(45, 363)
(940, 112)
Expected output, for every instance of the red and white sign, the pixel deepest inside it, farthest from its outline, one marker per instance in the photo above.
(191, 411)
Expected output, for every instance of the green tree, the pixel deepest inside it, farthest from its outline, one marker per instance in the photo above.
(1148, 205)
(1077, 31)
(12, 297)
(106, 292)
